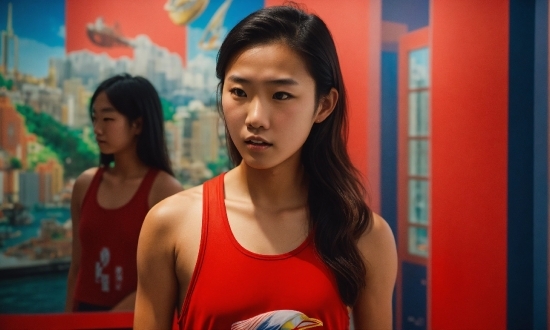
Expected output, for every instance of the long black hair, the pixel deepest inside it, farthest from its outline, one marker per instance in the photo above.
(336, 197)
(135, 97)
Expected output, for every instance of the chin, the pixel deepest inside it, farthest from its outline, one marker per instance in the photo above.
(257, 164)
(105, 151)
(265, 164)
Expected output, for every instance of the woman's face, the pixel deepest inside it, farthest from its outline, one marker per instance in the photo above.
(113, 132)
(268, 101)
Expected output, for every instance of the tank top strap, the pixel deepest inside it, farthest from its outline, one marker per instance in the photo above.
(146, 184)
(212, 193)
(94, 185)
(216, 205)
(214, 230)
(141, 196)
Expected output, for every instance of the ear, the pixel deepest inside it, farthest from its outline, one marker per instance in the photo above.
(137, 125)
(326, 105)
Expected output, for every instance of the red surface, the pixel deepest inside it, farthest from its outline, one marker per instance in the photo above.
(133, 17)
(374, 123)
(353, 35)
(548, 162)
(67, 321)
(467, 270)
(96, 320)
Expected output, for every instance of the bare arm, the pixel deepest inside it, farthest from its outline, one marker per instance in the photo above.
(79, 190)
(75, 258)
(157, 289)
(126, 304)
(374, 306)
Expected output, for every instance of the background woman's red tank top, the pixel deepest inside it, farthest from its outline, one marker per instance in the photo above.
(108, 238)
(233, 288)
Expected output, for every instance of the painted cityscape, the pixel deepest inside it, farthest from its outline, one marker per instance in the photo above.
(53, 55)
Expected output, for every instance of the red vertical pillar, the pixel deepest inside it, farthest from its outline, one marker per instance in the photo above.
(467, 268)
(356, 29)
(548, 164)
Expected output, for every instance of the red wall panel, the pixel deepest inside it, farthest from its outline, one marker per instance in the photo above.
(467, 270)
(148, 18)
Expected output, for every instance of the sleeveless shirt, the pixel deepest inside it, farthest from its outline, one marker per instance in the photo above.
(233, 288)
(108, 238)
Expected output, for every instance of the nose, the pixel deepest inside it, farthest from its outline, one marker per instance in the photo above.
(97, 127)
(258, 115)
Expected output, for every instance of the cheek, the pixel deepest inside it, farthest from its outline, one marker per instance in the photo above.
(297, 131)
(298, 119)
(226, 107)
(231, 113)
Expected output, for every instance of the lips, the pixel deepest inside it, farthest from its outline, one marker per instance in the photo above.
(257, 141)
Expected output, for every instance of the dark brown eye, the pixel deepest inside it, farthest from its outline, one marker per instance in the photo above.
(281, 96)
(237, 92)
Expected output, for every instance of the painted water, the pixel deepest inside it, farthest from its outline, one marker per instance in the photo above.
(42, 292)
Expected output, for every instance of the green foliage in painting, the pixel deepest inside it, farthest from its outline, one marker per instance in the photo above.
(7, 83)
(74, 153)
(41, 156)
(15, 164)
(168, 110)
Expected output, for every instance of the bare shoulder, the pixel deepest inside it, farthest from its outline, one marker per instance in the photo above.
(82, 183)
(86, 177)
(167, 252)
(377, 244)
(373, 309)
(173, 227)
(164, 185)
(176, 210)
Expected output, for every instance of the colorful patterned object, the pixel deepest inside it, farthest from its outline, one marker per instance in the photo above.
(278, 320)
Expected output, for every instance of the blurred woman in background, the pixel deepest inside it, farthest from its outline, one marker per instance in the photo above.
(109, 202)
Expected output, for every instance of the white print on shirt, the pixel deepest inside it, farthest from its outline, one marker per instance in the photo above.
(100, 277)
(104, 257)
(118, 277)
(105, 282)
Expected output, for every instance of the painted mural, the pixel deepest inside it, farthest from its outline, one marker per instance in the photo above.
(53, 55)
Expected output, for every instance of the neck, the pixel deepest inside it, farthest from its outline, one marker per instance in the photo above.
(273, 188)
(128, 166)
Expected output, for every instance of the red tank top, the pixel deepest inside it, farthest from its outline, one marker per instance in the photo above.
(233, 288)
(108, 239)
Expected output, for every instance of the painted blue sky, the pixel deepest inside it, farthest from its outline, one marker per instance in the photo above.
(40, 27)
(36, 19)
(238, 10)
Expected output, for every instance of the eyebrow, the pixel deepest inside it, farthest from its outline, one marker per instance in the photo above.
(106, 109)
(282, 81)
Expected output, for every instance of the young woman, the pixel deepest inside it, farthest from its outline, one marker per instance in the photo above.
(284, 240)
(109, 202)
